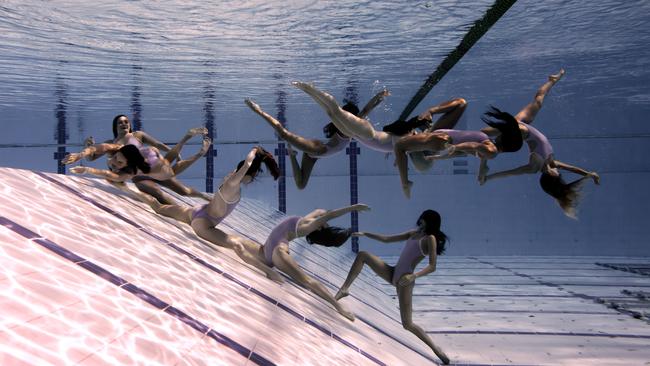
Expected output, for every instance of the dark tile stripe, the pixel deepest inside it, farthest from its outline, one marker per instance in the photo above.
(563, 334)
(513, 311)
(133, 289)
(201, 262)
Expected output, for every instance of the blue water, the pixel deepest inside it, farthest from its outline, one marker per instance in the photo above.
(68, 68)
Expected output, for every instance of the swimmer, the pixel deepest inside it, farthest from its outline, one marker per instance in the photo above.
(425, 240)
(541, 157)
(275, 251)
(124, 135)
(314, 149)
(205, 219)
(128, 161)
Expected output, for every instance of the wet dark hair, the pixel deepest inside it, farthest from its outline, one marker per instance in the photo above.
(330, 129)
(510, 139)
(262, 156)
(329, 236)
(401, 127)
(567, 195)
(134, 160)
(432, 221)
(351, 107)
(115, 124)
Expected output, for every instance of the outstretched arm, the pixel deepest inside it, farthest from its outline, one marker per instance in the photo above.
(318, 218)
(147, 139)
(375, 101)
(107, 174)
(577, 170)
(534, 165)
(91, 152)
(386, 238)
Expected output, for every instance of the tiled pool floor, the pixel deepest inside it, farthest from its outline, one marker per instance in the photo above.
(89, 276)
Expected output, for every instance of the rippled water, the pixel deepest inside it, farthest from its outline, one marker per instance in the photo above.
(240, 47)
(171, 58)
(68, 67)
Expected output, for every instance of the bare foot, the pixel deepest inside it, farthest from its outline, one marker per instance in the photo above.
(441, 355)
(206, 145)
(290, 150)
(595, 177)
(406, 188)
(346, 313)
(197, 131)
(252, 105)
(556, 77)
(274, 276)
(341, 294)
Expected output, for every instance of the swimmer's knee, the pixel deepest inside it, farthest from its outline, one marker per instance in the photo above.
(461, 102)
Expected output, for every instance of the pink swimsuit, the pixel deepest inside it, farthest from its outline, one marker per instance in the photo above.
(411, 255)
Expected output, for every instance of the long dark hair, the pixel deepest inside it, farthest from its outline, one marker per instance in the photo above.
(329, 236)
(510, 139)
(351, 107)
(432, 221)
(134, 160)
(330, 129)
(115, 124)
(262, 156)
(401, 127)
(567, 195)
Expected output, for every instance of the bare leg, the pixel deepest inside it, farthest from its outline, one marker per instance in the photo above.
(451, 111)
(534, 165)
(347, 122)
(149, 186)
(419, 161)
(577, 170)
(205, 230)
(176, 150)
(420, 142)
(302, 173)
(282, 259)
(528, 113)
(405, 296)
(311, 146)
(176, 212)
(175, 185)
(181, 165)
(380, 267)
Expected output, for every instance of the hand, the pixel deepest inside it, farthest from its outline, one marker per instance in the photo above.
(406, 280)
(251, 154)
(482, 178)
(385, 93)
(361, 207)
(89, 141)
(359, 234)
(79, 169)
(406, 188)
(290, 150)
(71, 158)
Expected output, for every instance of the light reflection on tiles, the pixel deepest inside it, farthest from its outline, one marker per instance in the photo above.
(170, 266)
